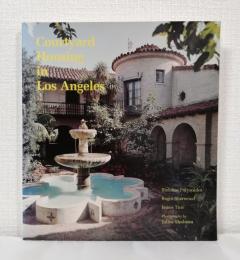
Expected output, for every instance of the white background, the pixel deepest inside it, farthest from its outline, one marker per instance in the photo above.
(12, 14)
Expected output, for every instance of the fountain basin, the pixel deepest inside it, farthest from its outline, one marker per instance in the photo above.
(83, 134)
(60, 202)
(88, 160)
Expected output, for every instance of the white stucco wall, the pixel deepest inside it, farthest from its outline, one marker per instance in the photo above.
(147, 67)
(198, 123)
(54, 96)
(58, 96)
(198, 86)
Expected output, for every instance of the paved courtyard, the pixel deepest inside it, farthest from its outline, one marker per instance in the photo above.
(145, 225)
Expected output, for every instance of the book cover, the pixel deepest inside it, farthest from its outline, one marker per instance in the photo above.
(120, 127)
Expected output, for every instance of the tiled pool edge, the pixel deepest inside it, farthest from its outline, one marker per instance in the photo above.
(92, 209)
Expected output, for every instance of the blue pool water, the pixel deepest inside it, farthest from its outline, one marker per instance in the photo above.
(63, 189)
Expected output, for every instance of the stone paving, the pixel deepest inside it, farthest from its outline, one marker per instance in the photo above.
(145, 225)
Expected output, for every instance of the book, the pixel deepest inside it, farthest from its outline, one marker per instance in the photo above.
(120, 130)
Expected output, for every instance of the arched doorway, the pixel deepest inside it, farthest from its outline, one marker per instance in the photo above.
(184, 145)
(159, 138)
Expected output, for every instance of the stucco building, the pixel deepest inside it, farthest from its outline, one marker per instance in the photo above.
(65, 106)
(185, 130)
(186, 127)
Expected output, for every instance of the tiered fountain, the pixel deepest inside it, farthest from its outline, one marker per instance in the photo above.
(62, 199)
(83, 160)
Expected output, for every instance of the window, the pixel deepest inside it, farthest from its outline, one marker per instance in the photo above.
(159, 76)
(132, 93)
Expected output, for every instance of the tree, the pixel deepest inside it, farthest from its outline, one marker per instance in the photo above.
(100, 75)
(100, 72)
(196, 38)
(63, 30)
(137, 132)
(29, 101)
(113, 86)
(107, 121)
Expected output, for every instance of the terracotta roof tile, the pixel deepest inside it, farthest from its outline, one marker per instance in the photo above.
(191, 109)
(149, 48)
(58, 73)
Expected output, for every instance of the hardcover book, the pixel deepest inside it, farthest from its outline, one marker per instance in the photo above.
(120, 130)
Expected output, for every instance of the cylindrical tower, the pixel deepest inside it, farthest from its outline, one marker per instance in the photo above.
(147, 72)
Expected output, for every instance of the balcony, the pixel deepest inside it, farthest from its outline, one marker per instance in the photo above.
(63, 109)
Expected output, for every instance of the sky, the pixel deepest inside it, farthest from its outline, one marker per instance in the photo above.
(111, 40)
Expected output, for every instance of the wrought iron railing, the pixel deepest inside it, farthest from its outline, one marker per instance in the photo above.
(58, 108)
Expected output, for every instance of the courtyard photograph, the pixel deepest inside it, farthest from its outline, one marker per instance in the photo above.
(120, 124)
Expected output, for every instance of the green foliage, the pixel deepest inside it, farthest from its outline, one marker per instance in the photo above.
(34, 132)
(30, 107)
(100, 75)
(47, 120)
(36, 173)
(203, 210)
(113, 85)
(137, 132)
(100, 72)
(202, 178)
(112, 130)
(41, 133)
(44, 128)
(107, 121)
(63, 30)
(196, 38)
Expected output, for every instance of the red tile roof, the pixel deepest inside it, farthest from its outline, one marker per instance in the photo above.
(191, 109)
(190, 67)
(149, 48)
(58, 73)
